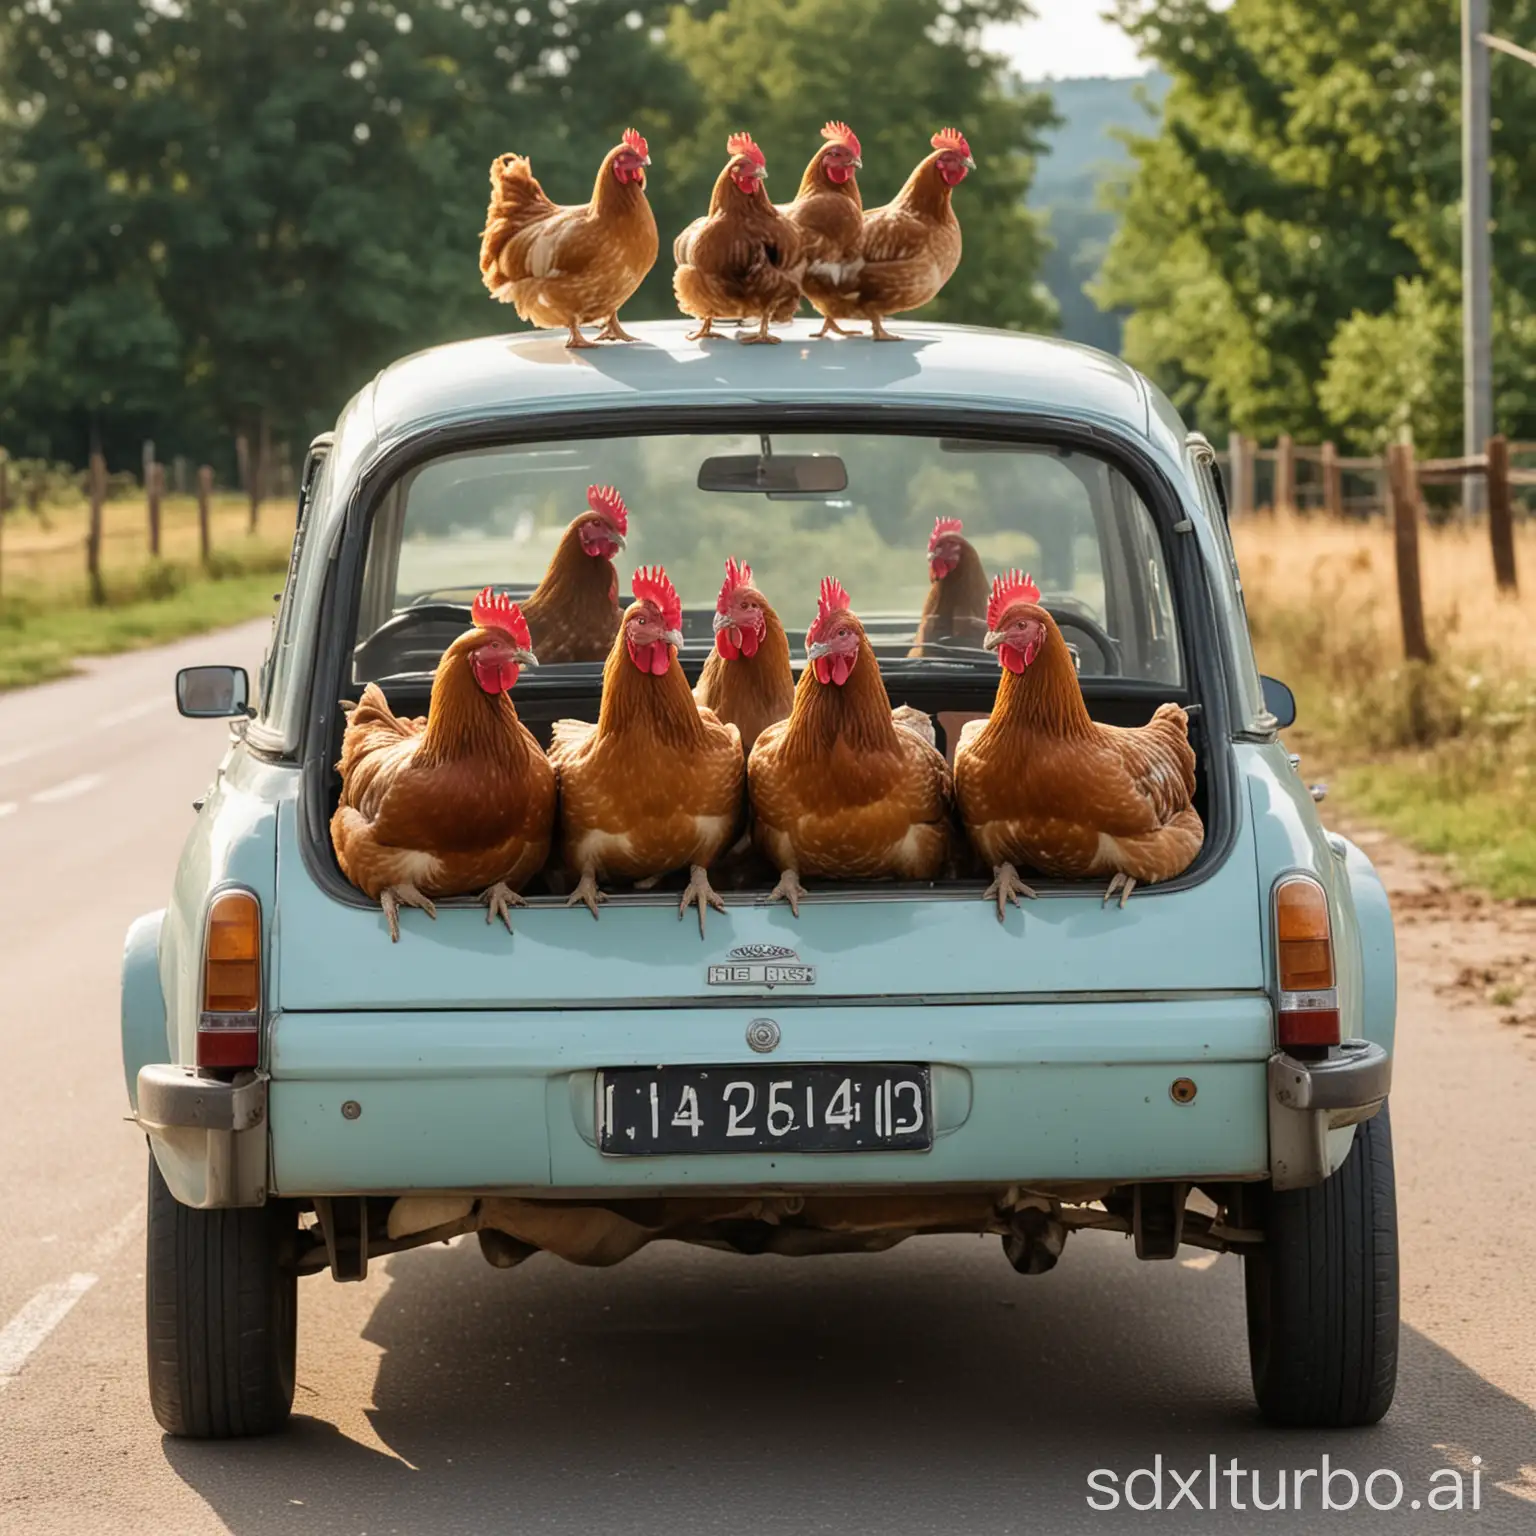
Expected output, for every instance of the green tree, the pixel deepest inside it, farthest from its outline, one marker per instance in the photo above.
(897, 70)
(1299, 207)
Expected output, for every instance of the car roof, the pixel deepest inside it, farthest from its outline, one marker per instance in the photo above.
(534, 370)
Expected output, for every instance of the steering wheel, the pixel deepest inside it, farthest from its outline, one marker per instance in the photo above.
(1106, 645)
(365, 652)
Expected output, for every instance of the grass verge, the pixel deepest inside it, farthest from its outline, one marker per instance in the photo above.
(1444, 755)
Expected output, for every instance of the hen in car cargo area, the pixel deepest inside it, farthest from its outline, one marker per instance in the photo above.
(1202, 1066)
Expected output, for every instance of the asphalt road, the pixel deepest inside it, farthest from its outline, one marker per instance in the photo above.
(926, 1390)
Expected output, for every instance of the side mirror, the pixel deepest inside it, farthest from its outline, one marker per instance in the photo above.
(212, 693)
(1279, 701)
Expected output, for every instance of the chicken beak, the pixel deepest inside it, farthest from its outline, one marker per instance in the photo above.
(646, 161)
(674, 637)
(970, 164)
(818, 650)
(992, 639)
(721, 621)
(525, 658)
(617, 537)
(858, 164)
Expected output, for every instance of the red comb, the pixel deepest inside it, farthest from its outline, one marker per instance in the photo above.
(841, 133)
(651, 584)
(833, 600)
(736, 576)
(607, 501)
(1007, 590)
(741, 144)
(942, 528)
(951, 138)
(495, 610)
(637, 143)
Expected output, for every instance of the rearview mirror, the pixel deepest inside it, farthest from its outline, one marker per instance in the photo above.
(1279, 701)
(804, 473)
(212, 693)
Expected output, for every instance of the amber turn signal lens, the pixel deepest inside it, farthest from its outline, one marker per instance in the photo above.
(232, 955)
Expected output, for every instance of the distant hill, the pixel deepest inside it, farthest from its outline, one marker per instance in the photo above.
(1081, 155)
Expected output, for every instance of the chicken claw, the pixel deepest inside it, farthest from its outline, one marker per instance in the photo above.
(788, 889)
(587, 891)
(613, 331)
(1122, 883)
(760, 337)
(393, 897)
(705, 330)
(1007, 887)
(879, 332)
(577, 339)
(830, 327)
(701, 893)
(499, 901)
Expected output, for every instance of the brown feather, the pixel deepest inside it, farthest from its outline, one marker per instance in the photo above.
(751, 692)
(955, 610)
(573, 613)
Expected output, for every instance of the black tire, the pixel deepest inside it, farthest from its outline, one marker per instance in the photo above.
(221, 1295)
(1323, 1293)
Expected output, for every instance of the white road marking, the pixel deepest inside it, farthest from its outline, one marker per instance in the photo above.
(25, 1333)
(115, 717)
(68, 789)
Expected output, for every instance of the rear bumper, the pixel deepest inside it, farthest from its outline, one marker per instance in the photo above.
(505, 1102)
(208, 1137)
(1311, 1099)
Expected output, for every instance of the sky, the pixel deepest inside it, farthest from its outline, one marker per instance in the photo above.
(1069, 37)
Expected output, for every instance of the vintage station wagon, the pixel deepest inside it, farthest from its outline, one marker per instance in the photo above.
(1207, 1065)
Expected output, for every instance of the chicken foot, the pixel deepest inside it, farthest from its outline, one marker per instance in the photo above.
(761, 336)
(1122, 883)
(830, 327)
(587, 892)
(499, 901)
(701, 893)
(576, 338)
(393, 897)
(1007, 887)
(878, 331)
(788, 889)
(613, 331)
(704, 331)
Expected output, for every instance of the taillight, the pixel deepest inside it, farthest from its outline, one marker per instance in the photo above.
(1308, 986)
(229, 1026)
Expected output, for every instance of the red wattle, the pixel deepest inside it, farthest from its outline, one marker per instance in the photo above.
(748, 640)
(1011, 659)
(841, 667)
(661, 658)
(724, 644)
(495, 676)
(823, 671)
(838, 173)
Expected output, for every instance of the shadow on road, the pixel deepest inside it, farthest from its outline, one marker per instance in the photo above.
(930, 1389)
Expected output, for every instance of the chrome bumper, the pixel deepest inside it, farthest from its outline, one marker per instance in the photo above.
(1310, 1099)
(208, 1137)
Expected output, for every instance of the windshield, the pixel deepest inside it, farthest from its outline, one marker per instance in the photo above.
(860, 506)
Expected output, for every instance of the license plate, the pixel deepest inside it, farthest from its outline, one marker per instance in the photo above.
(874, 1107)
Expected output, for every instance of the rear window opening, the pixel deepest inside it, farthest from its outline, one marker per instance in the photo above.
(860, 505)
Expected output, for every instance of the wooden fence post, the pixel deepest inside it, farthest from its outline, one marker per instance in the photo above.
(1240, 462)
(1403, 485)
(204, 491)
(1285, 474)
(98, 493)
(1501, 531)
(154, 484)
(1333, 482)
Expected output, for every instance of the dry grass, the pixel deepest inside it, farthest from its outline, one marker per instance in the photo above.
(47, 619)
(1444, 754)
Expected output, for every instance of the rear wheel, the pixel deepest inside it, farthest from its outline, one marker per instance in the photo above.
(1323, 1293)
(221, 1297)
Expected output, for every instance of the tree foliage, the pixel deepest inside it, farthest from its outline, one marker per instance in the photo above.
(214, 212)
(1297, 216)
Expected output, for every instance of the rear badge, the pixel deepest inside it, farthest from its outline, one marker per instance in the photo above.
(762, 965)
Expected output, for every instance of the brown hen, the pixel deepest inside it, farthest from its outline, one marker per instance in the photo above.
(464, 802)
(846, 788)
(573, 613)
(656, 784)
(955, 610)
(743, 259)
(1041, 783)
(829, 213)
(570, 266)
(747, 680)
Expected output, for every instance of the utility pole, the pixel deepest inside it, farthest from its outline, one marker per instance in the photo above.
(1476, 247)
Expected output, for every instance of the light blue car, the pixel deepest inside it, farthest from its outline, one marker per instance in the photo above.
(1207, 1065)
